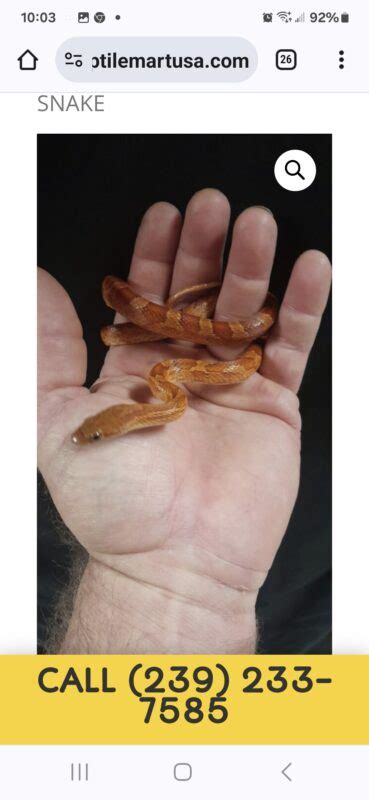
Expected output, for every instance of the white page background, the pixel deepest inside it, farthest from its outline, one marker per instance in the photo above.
(345, 116)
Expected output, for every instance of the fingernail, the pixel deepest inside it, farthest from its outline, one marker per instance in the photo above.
(265, 209)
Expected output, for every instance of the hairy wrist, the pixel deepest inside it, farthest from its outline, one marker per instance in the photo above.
(157, 603)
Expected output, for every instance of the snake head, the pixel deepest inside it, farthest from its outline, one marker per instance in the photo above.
(111, 422)
(87, 433)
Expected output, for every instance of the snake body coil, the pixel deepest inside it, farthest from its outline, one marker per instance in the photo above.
(151, 322)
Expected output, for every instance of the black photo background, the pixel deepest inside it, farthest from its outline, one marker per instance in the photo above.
(92, 192)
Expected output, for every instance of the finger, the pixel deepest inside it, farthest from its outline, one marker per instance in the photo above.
(247, 275)
(62, 356)
(200, 251)
(155, 250)
(288, 347)
(151, 268)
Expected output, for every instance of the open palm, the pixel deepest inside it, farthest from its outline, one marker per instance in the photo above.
(212, 493)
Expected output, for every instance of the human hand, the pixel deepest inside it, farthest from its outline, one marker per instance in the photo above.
(181, 522)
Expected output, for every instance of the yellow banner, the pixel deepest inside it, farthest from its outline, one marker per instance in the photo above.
(184, 699)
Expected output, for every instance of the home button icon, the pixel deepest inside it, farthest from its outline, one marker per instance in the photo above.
(27, 60)
(182, 772)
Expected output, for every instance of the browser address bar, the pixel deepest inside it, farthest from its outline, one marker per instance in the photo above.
(109, 59)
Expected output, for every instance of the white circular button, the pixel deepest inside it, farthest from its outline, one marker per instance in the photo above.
(295, 170)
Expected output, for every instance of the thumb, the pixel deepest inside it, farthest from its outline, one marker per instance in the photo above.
(62, 356)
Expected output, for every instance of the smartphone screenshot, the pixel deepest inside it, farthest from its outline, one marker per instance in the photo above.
(184, 589)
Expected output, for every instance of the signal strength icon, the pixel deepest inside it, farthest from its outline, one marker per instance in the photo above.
(301, 18)
(285, 16)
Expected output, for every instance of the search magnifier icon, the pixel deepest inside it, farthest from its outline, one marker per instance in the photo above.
(295, 170)
(290, 169)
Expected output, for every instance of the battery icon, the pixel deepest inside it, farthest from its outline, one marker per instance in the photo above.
(345, 17)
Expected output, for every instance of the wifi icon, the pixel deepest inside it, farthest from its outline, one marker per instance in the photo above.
(285, 16)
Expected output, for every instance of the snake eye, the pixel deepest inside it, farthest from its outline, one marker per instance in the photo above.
(95, 436)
